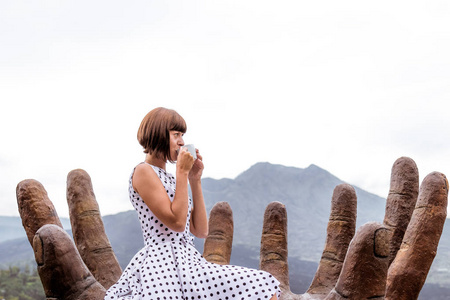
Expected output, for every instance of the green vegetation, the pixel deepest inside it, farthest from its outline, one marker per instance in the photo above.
(16, 284)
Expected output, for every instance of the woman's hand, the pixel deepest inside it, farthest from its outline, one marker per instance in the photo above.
(197, 168)
(185, 161)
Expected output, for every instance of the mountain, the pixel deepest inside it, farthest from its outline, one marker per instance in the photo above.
(15, 250)
(11, 227)
(305, 192)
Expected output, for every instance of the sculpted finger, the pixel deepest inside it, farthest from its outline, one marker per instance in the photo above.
(274, 252)
(401, 200)
(410, 267)
(218, 243)
(88, 230)
(340, 231)
(363, 274)
(62, 272)
(35, 208)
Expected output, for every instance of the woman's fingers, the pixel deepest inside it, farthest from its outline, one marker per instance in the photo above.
(185, 160)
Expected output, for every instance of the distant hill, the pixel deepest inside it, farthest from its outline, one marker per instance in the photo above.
(306, 194)
(15, 250)
(11, 227)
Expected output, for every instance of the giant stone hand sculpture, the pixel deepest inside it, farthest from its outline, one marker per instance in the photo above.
(381, 261)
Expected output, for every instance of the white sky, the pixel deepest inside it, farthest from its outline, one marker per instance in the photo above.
(347, 85)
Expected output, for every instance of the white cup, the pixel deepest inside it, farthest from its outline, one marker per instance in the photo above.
(191, 149)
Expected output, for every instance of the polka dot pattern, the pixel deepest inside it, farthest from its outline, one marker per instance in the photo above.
(169, 266)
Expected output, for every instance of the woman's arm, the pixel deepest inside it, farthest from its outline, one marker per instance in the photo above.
(199, 219)
(172, 213)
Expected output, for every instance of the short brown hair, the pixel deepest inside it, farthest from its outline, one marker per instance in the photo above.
(153, 133)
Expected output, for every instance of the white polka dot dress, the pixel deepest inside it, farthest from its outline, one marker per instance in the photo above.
(169, 266)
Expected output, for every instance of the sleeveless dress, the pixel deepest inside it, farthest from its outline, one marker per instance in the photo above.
(170, 267)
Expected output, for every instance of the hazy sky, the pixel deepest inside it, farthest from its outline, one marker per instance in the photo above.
(347, 85)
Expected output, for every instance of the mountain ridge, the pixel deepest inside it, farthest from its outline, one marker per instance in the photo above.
(305, 192)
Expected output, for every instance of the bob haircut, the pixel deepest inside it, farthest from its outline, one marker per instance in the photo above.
(153, 133)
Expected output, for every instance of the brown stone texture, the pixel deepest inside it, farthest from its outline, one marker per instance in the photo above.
(35, 208)
(363, 274)
(63, 273)
(365, 265)
(88, 230)
(273, 252)
(401, 200)
(340, 231)
(410, 267)
(217, 246)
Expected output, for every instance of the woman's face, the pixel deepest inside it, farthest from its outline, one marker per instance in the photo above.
(176, 141)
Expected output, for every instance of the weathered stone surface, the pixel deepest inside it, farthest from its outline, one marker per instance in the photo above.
(217, 246)
(340, 231)
(35, 208)
(363, 274)
(63, 274)
(273, 252)
(410, 267)
(401, 200)
(88, 230)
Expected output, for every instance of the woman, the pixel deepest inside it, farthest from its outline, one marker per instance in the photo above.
(169, 267)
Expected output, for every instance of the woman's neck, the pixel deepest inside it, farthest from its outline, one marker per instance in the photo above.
(157, 162)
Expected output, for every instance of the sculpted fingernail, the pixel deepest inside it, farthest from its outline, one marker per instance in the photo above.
(38, 248)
